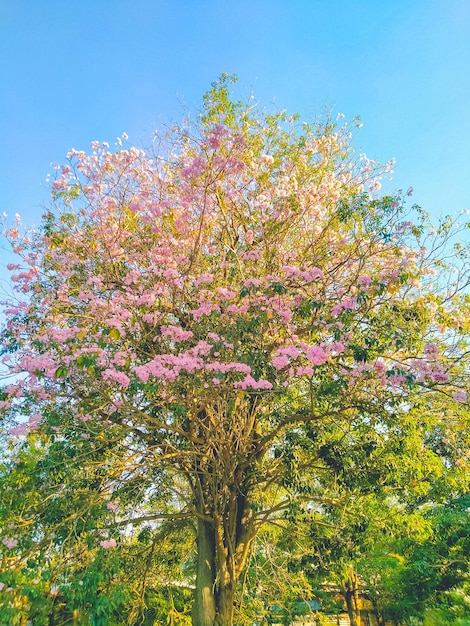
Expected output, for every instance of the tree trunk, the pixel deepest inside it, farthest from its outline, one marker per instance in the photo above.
(225, 605)
(204, 607)
(222, 551)
(349, 597)
(357, 611)
(378, 615)
(352, 597)
(225, 529)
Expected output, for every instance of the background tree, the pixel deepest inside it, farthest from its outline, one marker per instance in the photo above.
(212, 332)
(382, 540)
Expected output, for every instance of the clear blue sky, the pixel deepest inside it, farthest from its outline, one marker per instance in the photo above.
(78, 70)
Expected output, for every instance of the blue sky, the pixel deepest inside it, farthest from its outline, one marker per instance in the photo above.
(72, 72)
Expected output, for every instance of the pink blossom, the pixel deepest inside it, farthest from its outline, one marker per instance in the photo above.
(170, 273)
(10, 542)
(34, 419)
(150, 318)
(431, 350)
(440, 377)
(312, 274)
(350, 303)
(203, 278)
(280, 361)
(115, 376)
(242, 368)
(267, 159)
(459, 396)
(338, 347)
(112, 506)
(175, 333)
(19, 431)
(142, 372)
(62, 334)
(60, 184)
(225, 294)
(283, 311)
(252, 255)
(237, 308)
(291, 351)
(250, 383)
(255, 282)
(108, 543)
(379, 367)
(291, 271)
(146, 298)
(195, 169)
(316, 355)
(13, 391)
(205, 309)
(396, 380)
(364, 281)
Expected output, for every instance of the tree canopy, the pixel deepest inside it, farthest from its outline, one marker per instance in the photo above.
(226, 331)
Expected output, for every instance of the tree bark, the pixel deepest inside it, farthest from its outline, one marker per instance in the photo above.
(226, 525)
(225, 605)
(204, 606)
(378, 615)
(351, 597)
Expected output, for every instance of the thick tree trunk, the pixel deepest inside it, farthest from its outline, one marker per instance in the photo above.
(222, 551)
(226, 525)
(204, 607)
(349, 597)
(225, 606)
(356, 602)
(352, 597)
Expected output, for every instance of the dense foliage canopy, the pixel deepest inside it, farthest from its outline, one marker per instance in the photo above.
(228, 332)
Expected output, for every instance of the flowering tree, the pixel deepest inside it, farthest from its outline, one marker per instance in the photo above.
(206, 332)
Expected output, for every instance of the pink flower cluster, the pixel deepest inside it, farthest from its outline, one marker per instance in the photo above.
(19, 431)
(250, 383)
(113, 375)
(459, 396)
(176, 333)
(317, 355)
(349, 304)
(308, 275)
(10, 542)
(364, 281)
(283, 356)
